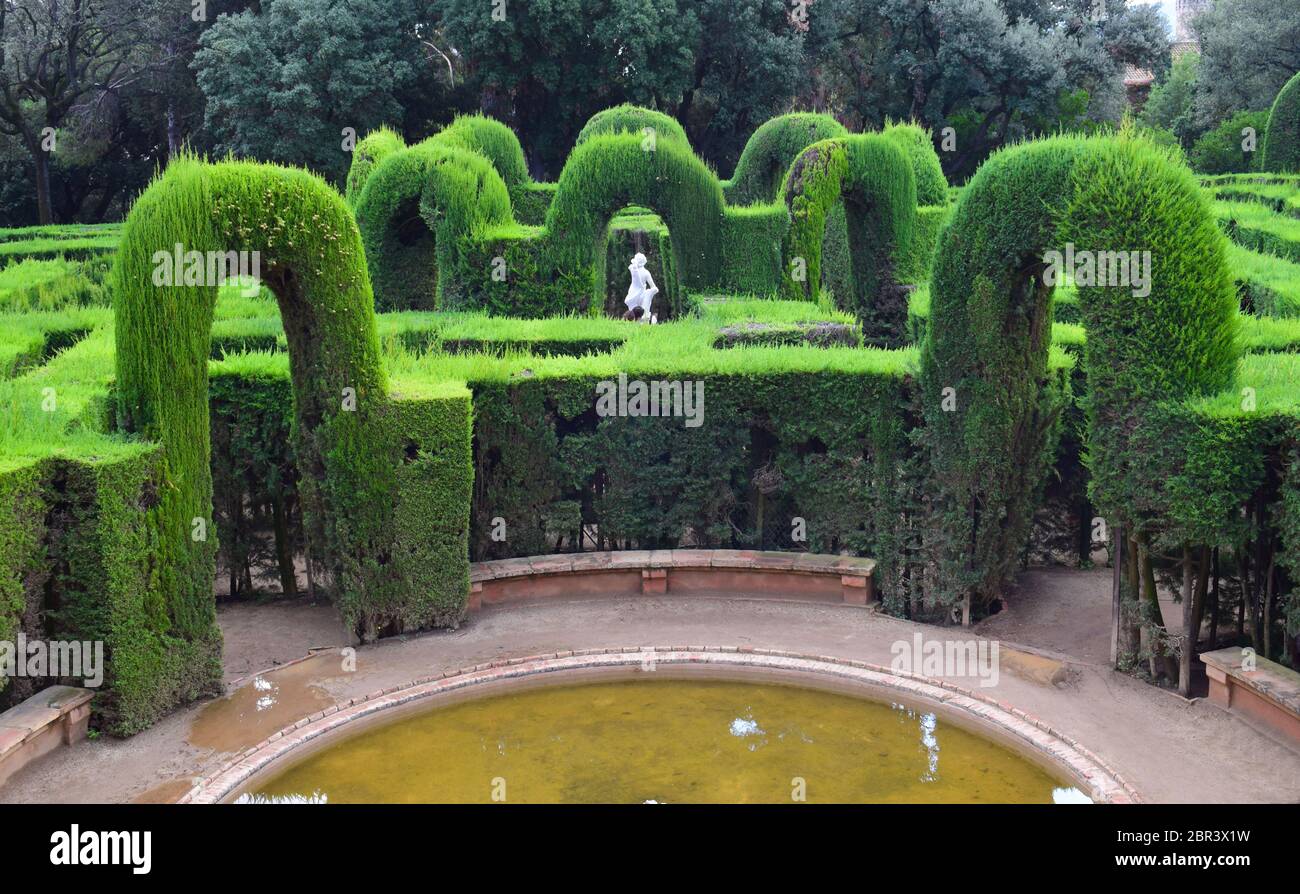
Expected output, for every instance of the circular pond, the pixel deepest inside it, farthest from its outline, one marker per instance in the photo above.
(665, 741)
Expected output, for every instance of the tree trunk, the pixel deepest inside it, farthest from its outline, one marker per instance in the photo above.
(284, 548)
(44, 208)
(1214, 604)
(1189, 635)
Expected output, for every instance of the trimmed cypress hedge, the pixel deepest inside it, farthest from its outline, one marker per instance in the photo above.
(990, 433)
(914, 140)
(873, 180)
(535, 250)
(630, 119)
(1282, 139)
(369, 458)
(770, 151)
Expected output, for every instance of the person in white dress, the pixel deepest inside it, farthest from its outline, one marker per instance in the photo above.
(642, 290)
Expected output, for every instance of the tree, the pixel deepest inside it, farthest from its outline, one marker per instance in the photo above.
(993, 70)
(1172, 103)
(1224, 150)
(545, 66)
(283, 84)
(56, 56)
(749, 64)
(1249, 48)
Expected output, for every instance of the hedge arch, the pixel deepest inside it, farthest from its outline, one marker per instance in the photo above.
(769, 152)
(914, 140)
(368, 464)
(1282, 137)
(435, 183)
(609, 172)
(986, 392)
(631, 119)
(873, 179)
(373, 148)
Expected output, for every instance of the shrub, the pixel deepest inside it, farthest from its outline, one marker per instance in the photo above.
(873, 179)
(368, 460)
(914, 140)
(1219, 151)
(630, 119)
(989, 426)
(369, 152)
(770, 151)
(1282, 137)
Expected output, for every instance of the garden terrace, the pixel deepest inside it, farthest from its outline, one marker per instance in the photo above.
(391, 449)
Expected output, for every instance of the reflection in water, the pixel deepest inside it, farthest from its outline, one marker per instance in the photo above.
(929, 724)
(666, 741)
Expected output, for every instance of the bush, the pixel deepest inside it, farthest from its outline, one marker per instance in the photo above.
(368, 461)
(630, 119)
(989, 423)
(873, 179)
(1282, 136)
(770, 151)
(1219, 151)
(914, 140)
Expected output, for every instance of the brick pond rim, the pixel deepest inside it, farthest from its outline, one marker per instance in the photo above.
(1022, 733)
(1169, 749)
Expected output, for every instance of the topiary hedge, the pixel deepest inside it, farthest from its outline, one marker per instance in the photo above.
(368, 458)
(988, 424)
(770, 151)
(914, 140)
(542, 250)
(630, 119)
(873, 180)
(1282, 138)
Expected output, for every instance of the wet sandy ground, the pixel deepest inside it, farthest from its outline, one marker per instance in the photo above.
(1170, 749)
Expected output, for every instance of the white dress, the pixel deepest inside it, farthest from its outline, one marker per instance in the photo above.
(641, 291)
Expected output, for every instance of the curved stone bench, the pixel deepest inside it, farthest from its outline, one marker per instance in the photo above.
(1269, 693)
(805, 577)
(55, 716)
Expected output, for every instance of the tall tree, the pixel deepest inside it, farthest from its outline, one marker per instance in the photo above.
(56, 55)
(282, 84)
(1249, 48)
(993, 70)
(545, 66)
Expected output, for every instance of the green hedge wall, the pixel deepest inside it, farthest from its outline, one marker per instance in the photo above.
(914, 140)
(1282, 139)
(873, 180)
(542, 249)
(984, 359)
(630, 119)
(770, 151)
(361, 471)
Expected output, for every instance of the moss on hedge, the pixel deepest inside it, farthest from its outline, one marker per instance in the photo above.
(873, 179)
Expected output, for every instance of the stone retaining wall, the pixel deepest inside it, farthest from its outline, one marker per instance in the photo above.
(804, 577)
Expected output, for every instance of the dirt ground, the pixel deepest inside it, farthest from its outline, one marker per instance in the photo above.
(1170, 749)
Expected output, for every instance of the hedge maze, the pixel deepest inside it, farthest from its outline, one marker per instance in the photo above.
(886, 371)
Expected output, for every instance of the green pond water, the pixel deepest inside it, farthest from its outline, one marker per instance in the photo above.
(667, 741)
